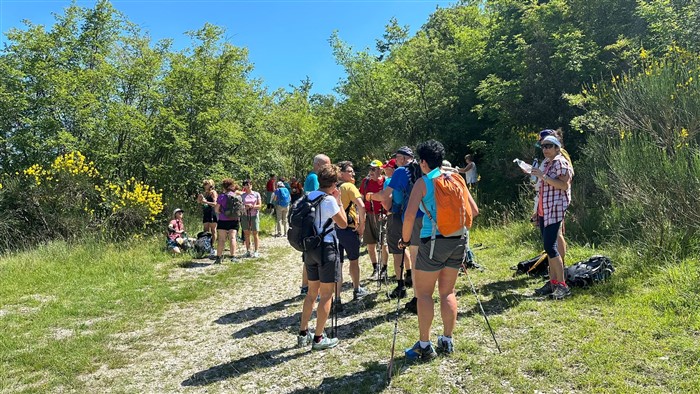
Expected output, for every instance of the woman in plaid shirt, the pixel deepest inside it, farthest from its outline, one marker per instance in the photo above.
(553, 198)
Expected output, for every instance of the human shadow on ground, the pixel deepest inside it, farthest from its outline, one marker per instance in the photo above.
(501, 293)
(242, 366)
(254, 312)
(373, 379)
(194, 264)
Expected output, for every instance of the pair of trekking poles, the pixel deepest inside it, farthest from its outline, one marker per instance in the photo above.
(390, 367)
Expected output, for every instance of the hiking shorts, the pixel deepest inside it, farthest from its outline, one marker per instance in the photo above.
(349, 243)
(549, 237)
(250, 223)
(228, 225)
(323, 263)
(394, 229)
(373, 227)
(208, 215)
(447, 253)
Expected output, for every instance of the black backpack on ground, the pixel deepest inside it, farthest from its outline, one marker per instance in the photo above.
(588, 272)
(302, 234)
(202, 245)
(536, 266)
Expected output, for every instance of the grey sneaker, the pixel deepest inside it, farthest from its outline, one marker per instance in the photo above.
(560, 292)
(444, 346)
(256, 255)
(235, 259)
(324, 343)
(359, 293)
(305, 340)
(544, 290)
(421, 353)
(247, 254)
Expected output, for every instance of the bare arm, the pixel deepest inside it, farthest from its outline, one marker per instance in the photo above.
(361, 215)
(339, 218)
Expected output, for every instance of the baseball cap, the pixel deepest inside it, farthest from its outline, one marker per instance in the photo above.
(551, 139)
(404, 150)
(375, 163)
(177, 210)
(280, 184)
(391, 163)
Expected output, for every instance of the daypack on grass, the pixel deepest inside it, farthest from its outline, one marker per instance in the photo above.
(452, 210)
(302, 234)
(536, 266)
(202, 245)
(588, 272)
(234, 205)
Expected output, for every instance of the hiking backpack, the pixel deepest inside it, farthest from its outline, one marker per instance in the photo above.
(302, 234)
(588, 272)
(234, 206)
(536, 266)
(202, 245)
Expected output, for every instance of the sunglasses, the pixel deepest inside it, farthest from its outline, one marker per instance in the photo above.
(547, 146)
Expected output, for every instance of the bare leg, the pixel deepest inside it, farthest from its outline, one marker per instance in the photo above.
(448, 299)
(424, 286)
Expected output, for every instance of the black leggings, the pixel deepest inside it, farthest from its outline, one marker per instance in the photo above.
(549, 237)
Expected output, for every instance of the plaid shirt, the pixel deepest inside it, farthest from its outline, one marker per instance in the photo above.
(555, 201)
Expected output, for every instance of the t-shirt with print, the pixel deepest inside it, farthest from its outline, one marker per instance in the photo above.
(251, 199)
(372, 186)
(326, 209)
(348, 194)
(311, 183)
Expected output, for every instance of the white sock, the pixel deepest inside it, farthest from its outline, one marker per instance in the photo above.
(424, 344)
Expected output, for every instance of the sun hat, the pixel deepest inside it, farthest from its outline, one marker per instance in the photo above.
(551, 139)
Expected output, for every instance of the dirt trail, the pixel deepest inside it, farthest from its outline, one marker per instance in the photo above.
(243, 339)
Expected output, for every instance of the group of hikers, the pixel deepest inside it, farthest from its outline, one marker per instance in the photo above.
(416, 207)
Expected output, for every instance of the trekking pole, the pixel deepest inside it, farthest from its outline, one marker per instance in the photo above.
(390, 367)
(481, 307)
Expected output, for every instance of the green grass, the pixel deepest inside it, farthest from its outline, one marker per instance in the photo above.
(61, 304)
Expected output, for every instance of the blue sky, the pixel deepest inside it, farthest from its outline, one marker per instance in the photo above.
(287, 39)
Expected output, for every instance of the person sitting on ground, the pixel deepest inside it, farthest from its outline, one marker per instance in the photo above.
(376, 224)
(349, 237)
(228, 226)
(323, 263)
(438, 259)
(554, 197)
(251, 222)
(177, 238)
(281, 199)
(208, 200)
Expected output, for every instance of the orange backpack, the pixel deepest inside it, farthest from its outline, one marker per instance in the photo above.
(453, 212)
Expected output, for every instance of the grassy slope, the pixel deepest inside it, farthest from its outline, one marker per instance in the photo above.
(60, 304)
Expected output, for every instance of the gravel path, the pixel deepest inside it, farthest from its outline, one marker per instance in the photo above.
(243, 339)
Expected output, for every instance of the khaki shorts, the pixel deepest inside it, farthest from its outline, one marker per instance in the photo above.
(374, 230)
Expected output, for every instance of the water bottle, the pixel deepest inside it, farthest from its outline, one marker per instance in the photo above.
(526, 167)
(533, 178)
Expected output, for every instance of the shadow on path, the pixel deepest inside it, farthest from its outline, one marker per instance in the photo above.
(239, 367)
(254, 312)
(370, 380)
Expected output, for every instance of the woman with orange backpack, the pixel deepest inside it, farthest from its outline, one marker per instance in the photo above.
(444, 237)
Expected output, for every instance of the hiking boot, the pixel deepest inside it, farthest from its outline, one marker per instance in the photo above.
(305, 340)
(412, 306)
(324, 343)
(399, 292)
(218, 260)
(375, 273)
(444, 346)
(560, 292)
(473, 266)
(419, 353)
(382, 273)
(235, 259)
(544, 290)
(248, 254)
(407, 279)
(359, 293)
(304, 290)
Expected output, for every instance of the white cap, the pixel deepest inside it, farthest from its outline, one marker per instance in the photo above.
(552, 139)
